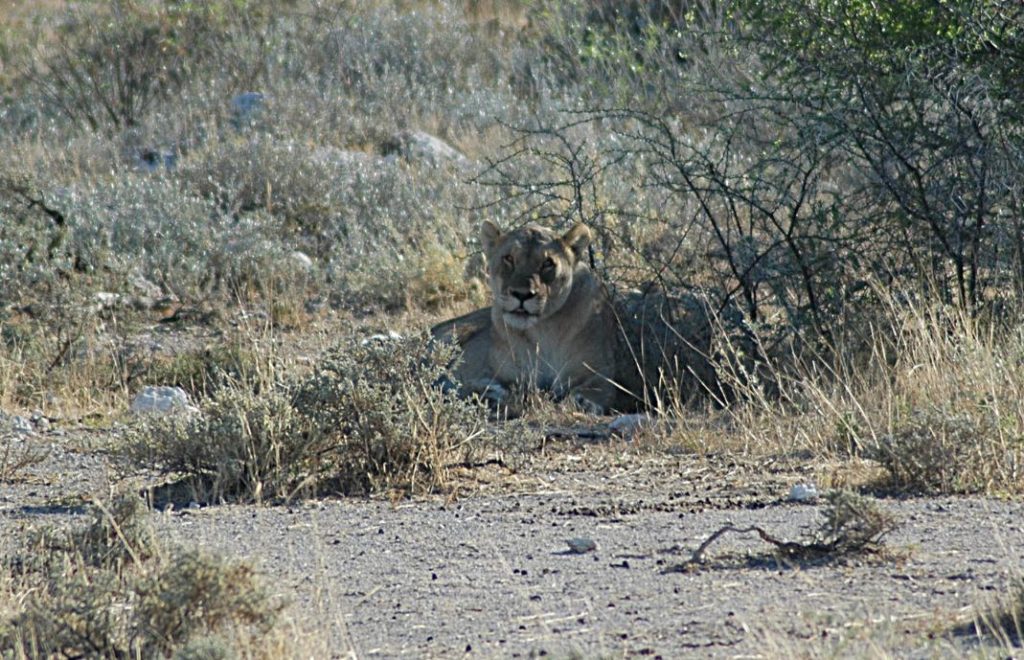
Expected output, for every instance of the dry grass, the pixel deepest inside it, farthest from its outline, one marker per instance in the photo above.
(929, 394)
(1004, 622)
(852, 525)
(111, 590)
(368, 418)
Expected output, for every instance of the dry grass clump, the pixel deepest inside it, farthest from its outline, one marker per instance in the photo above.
(203, 371)
(998, 621)
(932, 395)
(16, 454)
(394, 428)
(110, 590)
(852, 524)
(939, 451)
(243, 445)
(1007, 622)
(368, 418)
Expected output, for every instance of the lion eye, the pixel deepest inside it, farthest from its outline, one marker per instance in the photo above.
(508, 260)
(548, 264)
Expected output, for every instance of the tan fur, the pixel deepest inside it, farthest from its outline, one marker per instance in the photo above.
(550, 326)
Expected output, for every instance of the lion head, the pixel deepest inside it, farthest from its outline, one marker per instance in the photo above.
(532, 270)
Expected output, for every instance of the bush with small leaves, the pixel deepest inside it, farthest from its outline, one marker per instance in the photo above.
(242, 445)
(370, 417)
(940, 451)
(195, 594)
(378, 402)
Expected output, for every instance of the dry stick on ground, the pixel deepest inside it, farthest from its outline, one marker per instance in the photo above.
(790, 548)
(853, 523)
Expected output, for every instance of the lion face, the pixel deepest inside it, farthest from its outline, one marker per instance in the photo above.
(532, 270)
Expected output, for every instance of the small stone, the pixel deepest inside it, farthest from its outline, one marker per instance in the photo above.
(143, 287)
(581, 545)
(104, 300)
(40, 421)
(381, 338)
(21, 425)
(301, 260)
(420, 147)
(627, 426)
(245, 107)
(803, 493)
(161, 399)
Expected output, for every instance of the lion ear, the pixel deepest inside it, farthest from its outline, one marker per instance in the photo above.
(577, 239)
(489, 235)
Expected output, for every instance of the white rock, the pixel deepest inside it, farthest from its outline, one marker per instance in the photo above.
(381, 338)
(581, 545)
(245, 107)
(627, 425)
(161, 399)
(106, 299)
(301, 260)
(143, 286)
(40, 421)
(420, 147)
(803, 493)
(21, 425)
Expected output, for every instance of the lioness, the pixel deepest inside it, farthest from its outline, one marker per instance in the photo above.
(553, 326)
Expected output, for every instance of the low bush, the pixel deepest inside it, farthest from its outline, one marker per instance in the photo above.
(110, 590)
(941, 451)
(369, 418)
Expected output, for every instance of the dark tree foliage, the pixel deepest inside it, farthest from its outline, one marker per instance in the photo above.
(809, 151)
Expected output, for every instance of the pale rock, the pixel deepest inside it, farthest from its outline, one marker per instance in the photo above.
(803, 493)
(301, 260)
(245, 108)
(20, 425)
(420, 147)
(628, 425)
(161, 399)
(380, 338)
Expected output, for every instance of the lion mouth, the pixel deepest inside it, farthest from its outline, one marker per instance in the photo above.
(520, 318)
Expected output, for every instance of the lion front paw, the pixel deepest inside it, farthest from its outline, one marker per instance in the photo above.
(494, 393)
(587, 405)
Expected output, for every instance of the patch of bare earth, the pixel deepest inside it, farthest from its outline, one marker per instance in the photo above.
(490, 574)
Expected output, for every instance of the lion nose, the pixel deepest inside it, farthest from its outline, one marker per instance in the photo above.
(522, 294)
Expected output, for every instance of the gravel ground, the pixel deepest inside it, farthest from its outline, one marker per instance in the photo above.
(490, 574)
